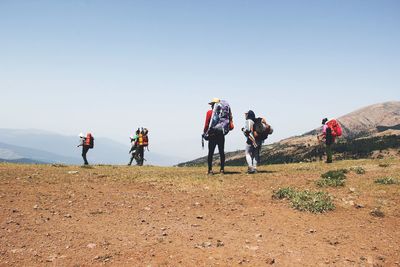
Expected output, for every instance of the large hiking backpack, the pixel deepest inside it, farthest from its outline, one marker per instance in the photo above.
(144, 138)
(89, 140)
(221, 118)
(335, 127)
(262, 129)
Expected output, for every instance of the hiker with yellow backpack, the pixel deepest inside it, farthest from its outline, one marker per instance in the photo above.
(139, 142)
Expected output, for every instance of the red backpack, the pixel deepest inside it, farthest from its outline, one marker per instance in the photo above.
(89, 140)
(335, 127)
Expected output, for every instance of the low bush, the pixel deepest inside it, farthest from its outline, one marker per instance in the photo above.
(332, 178)
(358, 170)
(387, 180)
(315, 202)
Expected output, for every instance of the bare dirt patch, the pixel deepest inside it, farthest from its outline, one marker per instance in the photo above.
(179, 216)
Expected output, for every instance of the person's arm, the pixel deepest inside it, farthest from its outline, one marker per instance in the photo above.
(80, 142)
(207, 122)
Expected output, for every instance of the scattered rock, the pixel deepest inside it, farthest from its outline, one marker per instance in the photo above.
(51, 258)
(359, 206)
(220, 243)
(200, 217)
(311, 231)
(203, 245)
(381, 258)
(195, 225)
(377, 213)
(103, 258)
(253, 248)
(91, 245)
(258, 235)
(352, 189)
(72, 172)
(68, 215)
(36, 206)
(270, 261)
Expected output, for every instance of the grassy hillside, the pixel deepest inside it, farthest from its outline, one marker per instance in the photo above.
(68, 215)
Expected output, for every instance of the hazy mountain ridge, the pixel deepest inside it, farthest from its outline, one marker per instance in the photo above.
(41, 146)
(372, 128)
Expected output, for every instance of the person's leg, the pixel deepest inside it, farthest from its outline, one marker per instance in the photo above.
(256, 155)
(141, 155)
(221, 149)
(328, 153)
(132, 157)
(84, 152)
(211, 148)
(249, 158)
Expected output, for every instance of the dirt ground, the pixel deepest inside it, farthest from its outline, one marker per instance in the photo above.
(153, 216)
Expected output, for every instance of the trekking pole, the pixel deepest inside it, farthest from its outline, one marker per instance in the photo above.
(202, 141)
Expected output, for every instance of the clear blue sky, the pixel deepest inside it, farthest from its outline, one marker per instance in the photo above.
(109, 66)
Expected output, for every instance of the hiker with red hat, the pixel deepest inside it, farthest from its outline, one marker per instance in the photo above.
(218, 124)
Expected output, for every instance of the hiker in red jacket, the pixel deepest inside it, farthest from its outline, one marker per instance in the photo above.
(215, 138)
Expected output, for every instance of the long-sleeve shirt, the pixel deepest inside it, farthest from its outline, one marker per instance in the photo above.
(82, 141)
(208, 119)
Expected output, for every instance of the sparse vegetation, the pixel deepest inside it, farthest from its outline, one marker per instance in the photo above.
(333, 178)
(87, 167)
(387, 181)
(384, 165)
(358, 170)
(315, 202)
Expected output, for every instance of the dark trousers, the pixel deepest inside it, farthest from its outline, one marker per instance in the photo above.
(85, 150)
(141, 155)
(216, 140)
(329, 153)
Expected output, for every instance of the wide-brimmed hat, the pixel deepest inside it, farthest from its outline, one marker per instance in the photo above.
(214, 100)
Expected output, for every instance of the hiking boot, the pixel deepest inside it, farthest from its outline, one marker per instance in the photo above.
(222, 172)
(251, 171)
(210, 173)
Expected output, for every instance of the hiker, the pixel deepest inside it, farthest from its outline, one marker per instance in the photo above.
(86, 143)
(142, 143)
(330, 130)
(134, 146)
(218, 123)
(256, 130)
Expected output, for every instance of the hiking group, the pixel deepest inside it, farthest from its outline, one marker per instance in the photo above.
(218, 123)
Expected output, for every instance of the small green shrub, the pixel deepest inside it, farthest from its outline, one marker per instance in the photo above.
(358, 170)
(387, 180)
(384, 165)
(332, 178)
(335, 174)
(315, 202)
(329, 182)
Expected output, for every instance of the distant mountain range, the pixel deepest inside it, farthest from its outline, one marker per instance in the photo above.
(37, 146)
(373, 131)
